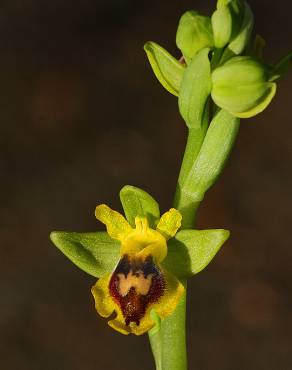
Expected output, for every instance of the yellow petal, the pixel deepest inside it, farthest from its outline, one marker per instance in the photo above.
(169, 223)
(116, 224)
(144, 241)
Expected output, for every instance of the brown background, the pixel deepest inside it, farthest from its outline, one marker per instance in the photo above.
(82, 115)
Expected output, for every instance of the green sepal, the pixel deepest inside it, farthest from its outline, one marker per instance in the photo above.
(195, 89)
(93, 252)
(211, 159)
(190, 251)
(137, 202)
(167, 69)
(193, 34)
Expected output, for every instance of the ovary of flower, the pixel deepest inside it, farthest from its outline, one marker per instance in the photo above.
(136, 280)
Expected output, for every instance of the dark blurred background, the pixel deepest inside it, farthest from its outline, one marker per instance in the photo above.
(82, 115)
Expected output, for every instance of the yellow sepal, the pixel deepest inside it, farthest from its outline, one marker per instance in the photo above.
(144, 241)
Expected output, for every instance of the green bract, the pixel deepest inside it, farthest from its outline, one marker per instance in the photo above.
(167, 69)
(242, 87)
(211, 159)
(193, 34)
(195, 89)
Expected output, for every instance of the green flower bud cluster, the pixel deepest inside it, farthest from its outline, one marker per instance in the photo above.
(232, 72)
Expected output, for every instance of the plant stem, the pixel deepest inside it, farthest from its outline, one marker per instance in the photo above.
(182, 202)
(205, 155)
(168, 343)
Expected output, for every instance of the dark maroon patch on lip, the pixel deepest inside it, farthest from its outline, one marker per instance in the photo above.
(134, 304)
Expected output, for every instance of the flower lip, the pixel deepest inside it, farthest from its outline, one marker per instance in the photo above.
(134, 285)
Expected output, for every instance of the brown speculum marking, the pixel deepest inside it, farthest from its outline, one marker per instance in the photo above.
(134, 285)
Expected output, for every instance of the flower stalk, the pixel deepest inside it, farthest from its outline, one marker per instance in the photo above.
(209, 148)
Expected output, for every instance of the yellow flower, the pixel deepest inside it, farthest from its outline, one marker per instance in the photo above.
(138, 283)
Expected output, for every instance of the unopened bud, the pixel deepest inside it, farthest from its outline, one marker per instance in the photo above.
(193, 34)
(242, 87)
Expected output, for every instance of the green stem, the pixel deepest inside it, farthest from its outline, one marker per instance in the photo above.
(195, 140)
(168, 338)
(168, 343)
(204, 159)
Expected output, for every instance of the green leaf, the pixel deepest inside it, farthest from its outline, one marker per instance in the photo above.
(94, 252)
(166, 68)
(136, 202)
(190, 251)
(195, 89)
(214, 152)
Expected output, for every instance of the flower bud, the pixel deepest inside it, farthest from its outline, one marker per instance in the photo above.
(193, 34)
(242, 87)
(222, 26)
(242, 25)
(229, 20)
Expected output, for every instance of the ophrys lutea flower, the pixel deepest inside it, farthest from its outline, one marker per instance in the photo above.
(140, 260)
(138, 283)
